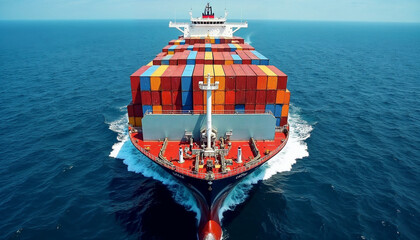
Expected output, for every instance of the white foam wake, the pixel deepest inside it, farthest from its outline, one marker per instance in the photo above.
(295, 149)
(138, 163)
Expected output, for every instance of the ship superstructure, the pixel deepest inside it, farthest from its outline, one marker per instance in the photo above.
(209, 109)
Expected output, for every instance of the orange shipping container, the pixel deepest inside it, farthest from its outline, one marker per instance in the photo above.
(219, 76)
(286, 97)
(155, 78)
(157, 109)
(285, 111)
(131, 121)
(219, 108)
(137, 121)
(280, 97)
(219, 97)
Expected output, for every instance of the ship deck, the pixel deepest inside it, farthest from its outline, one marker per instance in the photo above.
(267, 149)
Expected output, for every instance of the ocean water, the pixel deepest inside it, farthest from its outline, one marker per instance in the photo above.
(350, 170)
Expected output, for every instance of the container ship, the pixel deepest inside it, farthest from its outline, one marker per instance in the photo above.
(209, 109)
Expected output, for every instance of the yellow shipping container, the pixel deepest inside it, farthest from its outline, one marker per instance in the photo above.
(132, 121)
(208, 56)
(286, 97)
(285, 111)
(212, 40)
(171, 52)
(208, 69)
(237, 47)
(219, 76)
(271, 79)
(177, 42)
(157, 109)
(155, 78)
(137, 121)
(150, 63)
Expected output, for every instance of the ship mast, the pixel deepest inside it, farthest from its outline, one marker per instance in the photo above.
(209, 87)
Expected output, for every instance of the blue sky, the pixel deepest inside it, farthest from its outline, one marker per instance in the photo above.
(323, 10)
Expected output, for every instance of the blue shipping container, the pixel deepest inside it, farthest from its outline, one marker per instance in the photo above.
(190, 47)
(277, 111)
(278, 122)
(187, 98)
(182, 42)
(187, 109)
(217, 40)
(145, 78)
(232, 47)
(271, 108)
(236, 59)
(240, 108)
(263, 59)
(191, 58)
(147, 108)
(165, 60)
(208, 47)
(186, 78)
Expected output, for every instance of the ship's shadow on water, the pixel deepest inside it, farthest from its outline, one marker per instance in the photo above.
(146, 209)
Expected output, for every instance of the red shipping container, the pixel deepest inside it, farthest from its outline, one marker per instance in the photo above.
(198, 74)
(226, 47)
(251, 55)
(178, 48)
(229, 108)
(251, 77)
(176, 77)
(281, 78)
(157, 60)
(198, 109)
(240, 97)
(271, 97)
(196, 46)
(250, 97)
(130, 110)
(136, 97)
(249, 108)
(167, 108)
(166, 98)
(227, 57)
(201, 47)
(177, 107)
(260, 97)
(246, 46)
(218, 58)
(182, 60)
(174, 59)
(244, 57)
(135, 78)
(156, 98)
(177, 98)
(166, 79)
(146, 98)
(137, 110)
(240, 83)
(172, 42)
(198, 98)
(259, 108)
(229, 97)
(161, 54)
(199, 59)
(283, 121)
(229, 77)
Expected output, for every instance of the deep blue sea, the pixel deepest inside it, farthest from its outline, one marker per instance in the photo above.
(351, 169)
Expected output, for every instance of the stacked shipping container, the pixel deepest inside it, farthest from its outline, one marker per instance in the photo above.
(247, 83)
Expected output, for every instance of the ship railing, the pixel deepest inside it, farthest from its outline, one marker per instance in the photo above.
(200, 112)
(233, 172)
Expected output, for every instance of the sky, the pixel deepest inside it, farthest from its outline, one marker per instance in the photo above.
(318, 10)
